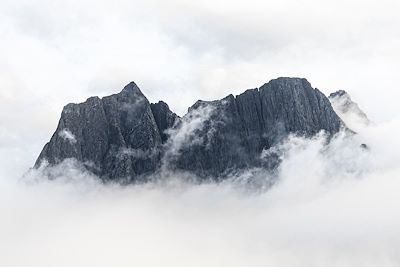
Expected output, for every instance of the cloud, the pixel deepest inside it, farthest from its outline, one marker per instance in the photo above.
(331, 205)
(56, 52)
(67, 135)
(334, 206)
(184, 134)
(349, 111)
(137, 153)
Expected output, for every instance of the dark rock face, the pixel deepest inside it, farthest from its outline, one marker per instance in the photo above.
(164, 118)
(238, 129)
(115, 137)
(123, 136)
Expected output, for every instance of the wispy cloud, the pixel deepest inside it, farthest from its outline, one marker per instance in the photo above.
(67, 135)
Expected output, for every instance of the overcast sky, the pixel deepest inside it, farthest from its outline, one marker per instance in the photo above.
(55, 52)
(341, 210)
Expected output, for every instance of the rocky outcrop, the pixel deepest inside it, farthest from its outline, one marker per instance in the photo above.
(123, 136)
(239, 128)
(164, 118)
(114, 137)
(348, 110)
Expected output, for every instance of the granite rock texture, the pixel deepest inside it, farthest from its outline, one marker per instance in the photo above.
(116, 137)
(124, 137)
(239, 128)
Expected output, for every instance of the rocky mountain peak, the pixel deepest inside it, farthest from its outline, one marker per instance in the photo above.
(348, 110)
(339, 93)
(124, 137)
(131, 92)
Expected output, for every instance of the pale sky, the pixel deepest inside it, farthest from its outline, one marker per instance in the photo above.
(55, 52)
(331, 205)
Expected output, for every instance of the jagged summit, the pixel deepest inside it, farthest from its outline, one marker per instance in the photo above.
(338, 93)
(289, 80)
(131, 87)
(288, 84)
(348, 110)
(164, 118)
(123, 136)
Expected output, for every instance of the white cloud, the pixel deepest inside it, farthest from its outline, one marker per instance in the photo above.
(352, 115)
(332, 206)
(136, 153)
(67, 135)
(185, 134)
(56, 52)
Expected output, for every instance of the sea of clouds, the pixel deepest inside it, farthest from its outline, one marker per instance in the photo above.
(327, 205)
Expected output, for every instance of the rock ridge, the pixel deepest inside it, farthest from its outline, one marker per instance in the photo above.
(125, 137)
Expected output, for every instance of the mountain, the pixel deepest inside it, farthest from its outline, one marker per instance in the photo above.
(123, 136)
(348, 110)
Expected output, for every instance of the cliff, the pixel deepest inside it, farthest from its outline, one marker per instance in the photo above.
(123, 136)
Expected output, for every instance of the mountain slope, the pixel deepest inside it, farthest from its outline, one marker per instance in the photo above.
(123, 136)
(348, 110)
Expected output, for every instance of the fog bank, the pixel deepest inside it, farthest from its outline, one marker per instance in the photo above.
(330, 206)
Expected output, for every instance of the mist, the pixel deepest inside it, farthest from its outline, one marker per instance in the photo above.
(332, 204)
(328, 205)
